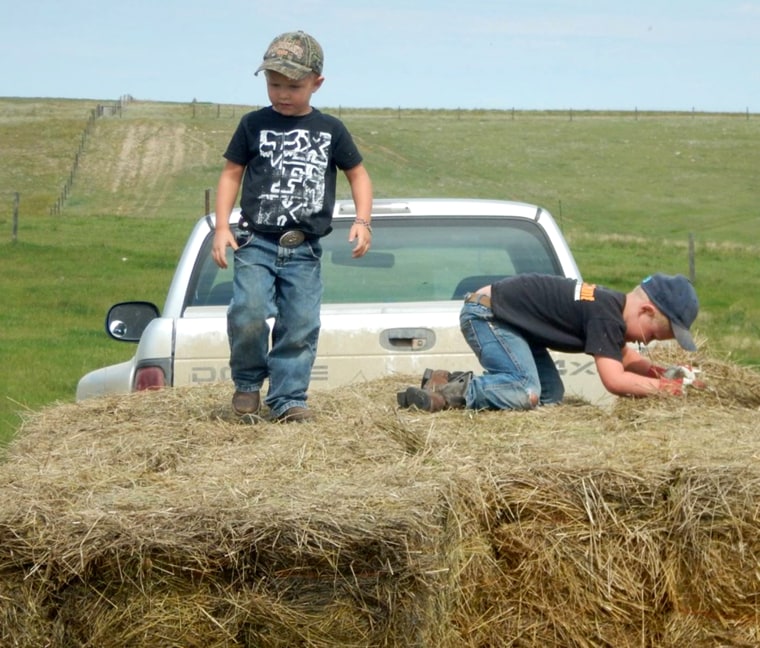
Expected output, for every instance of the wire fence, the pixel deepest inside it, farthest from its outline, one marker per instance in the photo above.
(101, 110)
(203, 109)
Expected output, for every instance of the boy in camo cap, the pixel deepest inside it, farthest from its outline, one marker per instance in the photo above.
(294, 54)
(286, 156)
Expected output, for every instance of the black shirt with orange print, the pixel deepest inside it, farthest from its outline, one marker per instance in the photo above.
(562, 314)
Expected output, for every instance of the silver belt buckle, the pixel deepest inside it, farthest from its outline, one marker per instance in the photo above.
(291, 238)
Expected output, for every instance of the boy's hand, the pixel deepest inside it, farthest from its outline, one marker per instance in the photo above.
(656, 371)
(363, 237)
(676, 384)
(684, 373)
(672, 386)
(222, 239)
(687, 376)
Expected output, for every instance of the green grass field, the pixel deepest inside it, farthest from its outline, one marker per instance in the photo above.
(628, 190)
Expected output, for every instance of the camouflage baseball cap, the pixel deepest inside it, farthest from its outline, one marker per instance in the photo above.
(294, 54)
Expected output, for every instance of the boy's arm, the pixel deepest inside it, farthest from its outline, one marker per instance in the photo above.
(637, 363)
(226, 195)
(361, 192)
(671, 379)
(618, 380)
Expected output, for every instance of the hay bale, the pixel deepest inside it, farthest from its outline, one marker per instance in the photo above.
(158, 519)
(152, 519)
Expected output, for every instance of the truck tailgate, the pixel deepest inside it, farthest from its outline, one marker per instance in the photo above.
(364, 342)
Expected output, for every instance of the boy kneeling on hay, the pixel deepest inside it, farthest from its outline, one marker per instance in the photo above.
(512, 324)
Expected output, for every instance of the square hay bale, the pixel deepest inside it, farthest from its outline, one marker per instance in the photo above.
(637, 526)
(159, 519)
(152, 520)
(604, 558)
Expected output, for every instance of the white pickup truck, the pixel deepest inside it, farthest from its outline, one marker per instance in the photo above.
(394, 310)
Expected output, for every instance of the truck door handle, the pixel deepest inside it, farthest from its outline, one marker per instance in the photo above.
(407, 339)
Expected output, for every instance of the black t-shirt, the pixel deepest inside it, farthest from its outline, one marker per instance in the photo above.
(562, 314)
(291, 169)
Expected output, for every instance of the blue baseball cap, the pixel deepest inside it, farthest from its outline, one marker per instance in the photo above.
(675, 298)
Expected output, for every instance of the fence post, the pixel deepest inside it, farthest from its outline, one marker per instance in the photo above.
(692, 263)
(16, 199)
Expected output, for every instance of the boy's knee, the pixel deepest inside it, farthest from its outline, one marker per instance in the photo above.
(525, 401)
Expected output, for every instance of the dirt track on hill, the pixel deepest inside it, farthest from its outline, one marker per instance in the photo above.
(149, 153)
(140, 164)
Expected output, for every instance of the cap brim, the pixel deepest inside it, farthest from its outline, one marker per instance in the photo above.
(683, 337)
(287, 68)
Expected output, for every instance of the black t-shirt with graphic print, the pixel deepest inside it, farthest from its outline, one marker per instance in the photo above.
(291, 169)
(562, 314)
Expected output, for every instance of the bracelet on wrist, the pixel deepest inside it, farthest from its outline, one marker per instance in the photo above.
(365, 223)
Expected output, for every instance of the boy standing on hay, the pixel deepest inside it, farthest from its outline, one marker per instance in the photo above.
(286, 156)
(512, 324)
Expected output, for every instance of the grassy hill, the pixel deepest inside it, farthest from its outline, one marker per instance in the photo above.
(628, 189)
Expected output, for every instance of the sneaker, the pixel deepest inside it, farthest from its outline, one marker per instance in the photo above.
(295, 415)
(246, 403)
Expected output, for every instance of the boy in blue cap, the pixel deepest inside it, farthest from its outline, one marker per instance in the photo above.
(286, 156)
(512, 324)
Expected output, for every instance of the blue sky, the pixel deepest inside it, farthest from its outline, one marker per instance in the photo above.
(496, 54)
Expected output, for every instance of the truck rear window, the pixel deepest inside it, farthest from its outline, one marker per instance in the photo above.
(411, 259)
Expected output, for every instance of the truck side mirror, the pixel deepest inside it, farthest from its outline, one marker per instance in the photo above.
(126, 321)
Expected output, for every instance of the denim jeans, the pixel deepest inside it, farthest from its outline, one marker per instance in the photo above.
(271, 281)
(514, 370)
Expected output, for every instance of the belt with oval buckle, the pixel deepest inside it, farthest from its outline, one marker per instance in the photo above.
(478, 298)
(291, 238)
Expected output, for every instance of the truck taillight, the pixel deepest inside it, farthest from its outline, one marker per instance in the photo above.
(149, 378)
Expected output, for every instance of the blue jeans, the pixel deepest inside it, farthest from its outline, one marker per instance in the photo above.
(514, 370)
(285, 284)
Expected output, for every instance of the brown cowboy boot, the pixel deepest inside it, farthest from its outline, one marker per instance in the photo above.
(422, 399)
(455, 390)
(246, 403)
(446, 396)
(433, 378)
